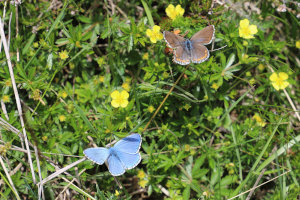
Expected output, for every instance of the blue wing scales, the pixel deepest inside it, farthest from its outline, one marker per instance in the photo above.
(98, 155)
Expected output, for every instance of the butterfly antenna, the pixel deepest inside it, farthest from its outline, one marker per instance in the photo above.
(218, 48)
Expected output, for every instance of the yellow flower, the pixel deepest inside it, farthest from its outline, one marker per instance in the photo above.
(261, 67)
(45, 138)
(77, 44)
(101, 79)
(252, 81)
(62, 118)
(259, 120)
(215, 86)
(298, 44)
(187, 147)
(35, 44)
(151, 109)
(63, 55)
(146, 56)
(126, 86)
(6, 98)
(143, 183)
(119, 99)
(173, 12)
(247, 31)
(141, 174)
(279, 80)
(154, 34)
(107, 131)
(7, 83)
(64, 94)
(117, 193)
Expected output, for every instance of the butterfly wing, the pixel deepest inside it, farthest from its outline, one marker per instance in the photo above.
(97, 155)
(181, 56)
(204, 36)
(115, 166)
(129, 160)
(173, 40)
(199, 53)
(130, 144)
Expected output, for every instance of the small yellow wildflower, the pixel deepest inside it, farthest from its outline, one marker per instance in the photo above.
(117, 193)
(173, 12)
(7, 83)
(126, 86)
(247, 31)
(146, 56)
(64, 94)
(261, 67)
(187, 147)
(35, 44)
(143, 183)
(101, 79)
(62, 118)
(298, 44)
(151, 109)
(259, 120)
(107, 131)
(119, 99)
(63, 55)
(154, 34)
(252, 81)
(279, 80)
(141, 174)
(215, 86)
(193, 152)
(231, 164)
(6, 98)
(77, 44)
(45, 138)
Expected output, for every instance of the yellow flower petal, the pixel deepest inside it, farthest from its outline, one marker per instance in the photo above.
(253, 29)
(124, 94)
(179, 10)
(275, 86)
(124, 103)
(156, 28)
(153, 39)
(148, 32)
(244, 23)
(284, 85)
(115, 94)
(283, 76)
(274, 77)
(115, 103)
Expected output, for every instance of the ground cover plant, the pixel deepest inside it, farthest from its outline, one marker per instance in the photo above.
(217, 124)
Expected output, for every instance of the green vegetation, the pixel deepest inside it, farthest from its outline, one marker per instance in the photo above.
(210, 131)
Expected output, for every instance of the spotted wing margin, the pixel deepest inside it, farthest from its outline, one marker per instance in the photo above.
(181, 56)
(173, 40)
(204, 36)
(199, 53)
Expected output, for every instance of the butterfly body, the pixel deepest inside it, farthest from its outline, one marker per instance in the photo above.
(190, 50)
(122, 156)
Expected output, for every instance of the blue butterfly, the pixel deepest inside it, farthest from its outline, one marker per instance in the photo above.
(122, 156)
